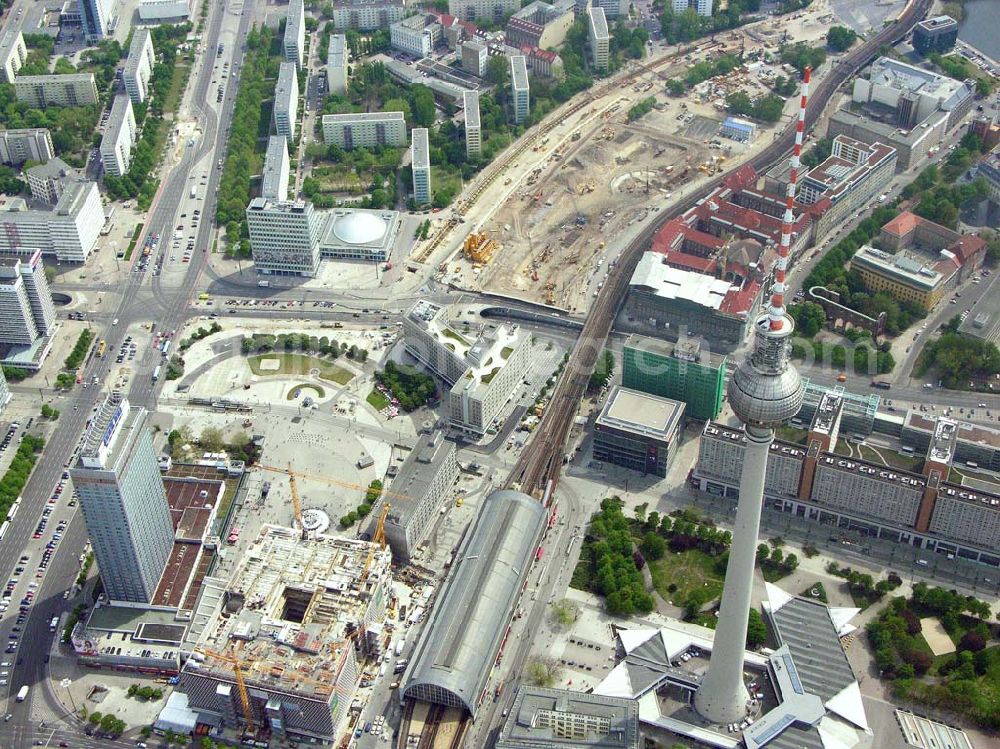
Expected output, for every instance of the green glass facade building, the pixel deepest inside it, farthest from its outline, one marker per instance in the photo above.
(682, 371)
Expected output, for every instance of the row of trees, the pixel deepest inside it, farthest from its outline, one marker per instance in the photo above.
(372, 495)
(862, 586)
(250, 125)
(774, 563)
(199, 334)
(262, 343)
(603, 370)
(108, 724)
(20, 468)
(80, 349)
(411, 387)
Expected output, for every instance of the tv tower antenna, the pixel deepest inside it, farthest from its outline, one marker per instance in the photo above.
(765, 390)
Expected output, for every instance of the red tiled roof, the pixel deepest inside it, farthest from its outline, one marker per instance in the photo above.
(743, 177)
(967, 247)
(903, 224)
(543, 54)
(704, 265)
(740, 301)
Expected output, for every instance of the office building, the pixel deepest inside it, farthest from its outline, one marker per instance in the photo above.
(742, 131)
(420, 488)
(366, 15)
(119, 137)
(474, 608)
(67, 90)
(139, 66)
(909, 231)
(13, 53)
(473, 127)
(301, 613)
(906, 276)
(851, 178)
(47, 181)
(98, 18)
(474, 56)
(482, 367)
(284, 236)
(542, 718)
(698, 6)
(685, 371)
(5, 395)
(416, 35)
(937, 34)
(69, 231)
(493, 10)
(519, 90)
(274, 185)
(989, 169)
(420, 158)
(28, 310)
(294, 43)
(540, 24)
(28, 144)
(600, 39)
(638, 431)
(913, 94)
(987, 130)
(922, 510)
(286, 101)
(611, 8)
(123, 501)
(336, 65)
(430, 339)
(498, 359)
(676, 303)
(364, 130)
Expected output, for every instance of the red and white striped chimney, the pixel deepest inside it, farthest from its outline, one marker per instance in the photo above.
(776, 312)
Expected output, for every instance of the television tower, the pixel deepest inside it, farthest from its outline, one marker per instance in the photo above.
(764, 391)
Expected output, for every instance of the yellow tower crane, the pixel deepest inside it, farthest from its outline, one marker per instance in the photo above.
(241, 686)
(296, 502)
(377, 538)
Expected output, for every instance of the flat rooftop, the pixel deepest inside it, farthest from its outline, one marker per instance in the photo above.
(519, 73)
(421, 156)
(417, 474)
(283, 90)
(641, 413)
(714, 430)
(336, 56)
(277, 154)
(656, 277)
(352, 117)
(905, 267)
(470, 100)
(826, 413)
(598, 22)
(619, 720)
(687, 349)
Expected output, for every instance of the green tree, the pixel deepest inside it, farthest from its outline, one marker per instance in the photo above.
(756, 630)
(839, 38)
(653, 546)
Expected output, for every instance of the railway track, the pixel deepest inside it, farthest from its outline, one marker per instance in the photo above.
(541, 462)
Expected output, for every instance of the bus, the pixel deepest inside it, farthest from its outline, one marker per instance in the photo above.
(203, 296)
(14, 508)
(165, 347)
(102, 346)
(22, 693)
(156, 374)
(4, 527)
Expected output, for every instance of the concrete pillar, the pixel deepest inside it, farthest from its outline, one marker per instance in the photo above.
(722, 696)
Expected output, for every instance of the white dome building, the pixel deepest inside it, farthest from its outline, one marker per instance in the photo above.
(358, 234)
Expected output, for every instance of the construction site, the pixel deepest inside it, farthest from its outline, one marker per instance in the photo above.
(549, 237)
(286, 636)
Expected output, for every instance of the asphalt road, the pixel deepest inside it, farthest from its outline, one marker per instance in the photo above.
(139, 301)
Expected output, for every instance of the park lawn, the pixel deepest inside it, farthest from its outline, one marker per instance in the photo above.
(173, 97)
(336, 374)
(688, 570)
(299, 364)
(315, 389)
(377, 400)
